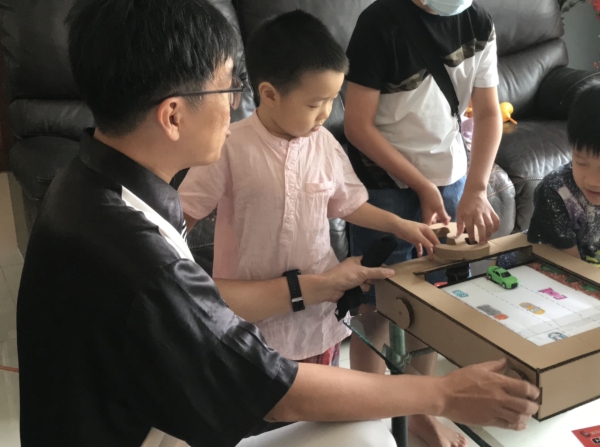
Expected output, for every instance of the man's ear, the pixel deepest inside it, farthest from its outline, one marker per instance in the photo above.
(169, 115)
(269, 95)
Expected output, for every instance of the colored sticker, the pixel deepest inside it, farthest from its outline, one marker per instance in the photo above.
(553, 293)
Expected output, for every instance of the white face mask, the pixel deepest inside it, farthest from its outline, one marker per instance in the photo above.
(448, 7)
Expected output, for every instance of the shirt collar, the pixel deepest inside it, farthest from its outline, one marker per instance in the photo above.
(146, 185)
(277, 143)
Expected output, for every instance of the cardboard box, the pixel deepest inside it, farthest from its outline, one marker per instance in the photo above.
(567, 371)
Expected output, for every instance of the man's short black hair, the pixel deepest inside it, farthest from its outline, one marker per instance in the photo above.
(127, 54)
(584, 121)
(288, 46)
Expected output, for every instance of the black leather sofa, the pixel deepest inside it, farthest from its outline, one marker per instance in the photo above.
(47, 115)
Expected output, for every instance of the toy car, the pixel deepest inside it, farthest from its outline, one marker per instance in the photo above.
(502, 277)
(534, 309)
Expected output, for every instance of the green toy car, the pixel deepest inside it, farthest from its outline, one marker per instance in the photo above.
(502, 277)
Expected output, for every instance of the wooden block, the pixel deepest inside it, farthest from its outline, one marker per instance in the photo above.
(457, 247)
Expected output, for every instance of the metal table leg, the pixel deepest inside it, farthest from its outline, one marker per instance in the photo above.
(400, 426)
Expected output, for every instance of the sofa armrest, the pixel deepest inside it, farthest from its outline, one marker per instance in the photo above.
(558, 90)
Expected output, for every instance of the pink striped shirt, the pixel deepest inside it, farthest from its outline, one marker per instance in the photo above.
(274, 200)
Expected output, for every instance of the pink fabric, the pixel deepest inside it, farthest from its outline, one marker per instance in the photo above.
(275, 198)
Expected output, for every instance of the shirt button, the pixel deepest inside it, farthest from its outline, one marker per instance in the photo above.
(289, 193)
(282, 143)
(288, 219)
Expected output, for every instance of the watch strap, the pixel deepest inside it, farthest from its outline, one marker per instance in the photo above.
(295, 292)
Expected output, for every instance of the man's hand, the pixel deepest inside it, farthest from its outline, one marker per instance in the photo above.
(349, 274)
(481, 395)
(418, 234)
(432, 205)
(474, 210)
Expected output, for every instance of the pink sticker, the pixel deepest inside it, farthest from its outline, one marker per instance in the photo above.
(553, 293)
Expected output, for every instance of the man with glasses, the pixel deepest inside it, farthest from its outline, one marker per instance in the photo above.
(122, 337)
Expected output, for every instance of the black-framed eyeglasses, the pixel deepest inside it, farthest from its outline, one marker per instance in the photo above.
(234, 93)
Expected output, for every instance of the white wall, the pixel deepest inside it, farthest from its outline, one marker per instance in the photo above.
(582, 30)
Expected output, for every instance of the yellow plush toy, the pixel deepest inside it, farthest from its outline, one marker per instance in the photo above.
(506, 108)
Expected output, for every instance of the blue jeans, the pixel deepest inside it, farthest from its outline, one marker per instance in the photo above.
(404, 203)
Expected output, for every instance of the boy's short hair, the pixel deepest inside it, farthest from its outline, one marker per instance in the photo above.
(284, 48)
(127, 54)
(584, 121)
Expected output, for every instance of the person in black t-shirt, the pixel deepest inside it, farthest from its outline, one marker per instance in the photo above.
(123, 339)
(406, 146)
(567, 201)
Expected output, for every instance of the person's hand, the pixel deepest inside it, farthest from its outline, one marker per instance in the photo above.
(349, 274)
(432, 206)
(474, 210)
(482, 395)
(418, 234)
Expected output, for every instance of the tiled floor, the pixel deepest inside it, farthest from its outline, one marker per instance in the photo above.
(11, 264)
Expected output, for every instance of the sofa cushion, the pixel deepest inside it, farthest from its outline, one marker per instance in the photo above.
(247, 105)
(521, 24)
(36, 117)
(560, 88)
(339, 16)
(35, 49)
(522, 73)
(36, 161)
(527, 153)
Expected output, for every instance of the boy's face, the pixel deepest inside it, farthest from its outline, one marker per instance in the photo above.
(305, 108)
(586, 172)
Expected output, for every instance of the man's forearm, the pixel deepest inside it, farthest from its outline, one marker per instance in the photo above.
(322, 393)
(477, 394)
(256, 300)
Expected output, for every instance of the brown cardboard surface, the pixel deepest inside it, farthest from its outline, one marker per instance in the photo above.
(466, 336)
(569, 385)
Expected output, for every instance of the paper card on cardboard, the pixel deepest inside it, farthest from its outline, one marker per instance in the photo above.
(540, 307)
(589, 437)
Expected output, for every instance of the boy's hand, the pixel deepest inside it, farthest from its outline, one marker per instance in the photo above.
(432, 206)
(418, 234)
(350, 274)
(474, 210)
(482, 395)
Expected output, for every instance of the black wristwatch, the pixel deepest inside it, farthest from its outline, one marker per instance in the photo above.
(295, 292)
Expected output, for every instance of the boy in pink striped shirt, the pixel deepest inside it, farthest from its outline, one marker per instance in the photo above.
(280, 177)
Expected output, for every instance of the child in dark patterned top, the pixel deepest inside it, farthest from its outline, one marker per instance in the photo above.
(567, 201)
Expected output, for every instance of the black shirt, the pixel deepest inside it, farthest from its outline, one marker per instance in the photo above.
(119, 332)
(412, 114)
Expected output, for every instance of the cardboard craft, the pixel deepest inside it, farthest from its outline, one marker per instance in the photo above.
(567, 370)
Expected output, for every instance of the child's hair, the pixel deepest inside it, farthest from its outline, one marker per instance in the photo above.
(286, 47)
(584, 121)
(127, 54)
